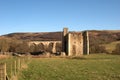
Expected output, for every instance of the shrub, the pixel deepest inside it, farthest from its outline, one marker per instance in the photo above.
(97, 49)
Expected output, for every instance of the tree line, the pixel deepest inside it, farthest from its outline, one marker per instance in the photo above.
(13, 45)
(22, 47)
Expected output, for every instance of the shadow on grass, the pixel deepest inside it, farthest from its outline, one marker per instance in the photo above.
(90, 58)
(78, 58)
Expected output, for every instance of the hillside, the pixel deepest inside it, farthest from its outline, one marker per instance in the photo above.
(96, 37)
(42, 36)
(111, 46)
(102, 37)
(100, 41)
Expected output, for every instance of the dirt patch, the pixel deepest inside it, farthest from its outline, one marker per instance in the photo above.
(14, 78)
(24, 66)
(3, 56)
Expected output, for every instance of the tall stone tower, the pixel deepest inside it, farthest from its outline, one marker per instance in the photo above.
(75, 43)
(85, 42)
(64, 39)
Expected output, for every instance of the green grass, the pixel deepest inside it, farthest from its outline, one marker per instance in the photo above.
(91, 67)
(10, 65)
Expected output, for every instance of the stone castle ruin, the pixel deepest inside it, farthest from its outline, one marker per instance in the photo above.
(72, 44)
(75, 43)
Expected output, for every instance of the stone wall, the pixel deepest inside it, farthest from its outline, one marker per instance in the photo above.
(86, 42)
(75, 44)
(47, 46)
(64, 39)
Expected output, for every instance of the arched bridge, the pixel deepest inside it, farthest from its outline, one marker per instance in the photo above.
(51, 46)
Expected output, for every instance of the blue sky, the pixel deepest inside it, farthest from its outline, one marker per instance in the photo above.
(53, 15)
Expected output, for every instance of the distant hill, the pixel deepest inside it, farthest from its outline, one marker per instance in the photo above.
(103, 41)
(41, 36)
(106, 36)
(96, 37)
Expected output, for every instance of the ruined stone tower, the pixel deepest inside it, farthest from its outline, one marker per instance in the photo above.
(86, 42)
(75, 43)
(64, 39)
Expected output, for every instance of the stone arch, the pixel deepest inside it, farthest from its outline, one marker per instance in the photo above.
(58, 47)
(32, 47)
(41, 46)
(32, 44)
(50, 47)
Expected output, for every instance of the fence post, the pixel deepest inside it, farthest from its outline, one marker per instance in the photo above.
(18, 64)
(3, 71)
(11, 70)
(15, 67)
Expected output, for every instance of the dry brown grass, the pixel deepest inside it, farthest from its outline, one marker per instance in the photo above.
(3, 56)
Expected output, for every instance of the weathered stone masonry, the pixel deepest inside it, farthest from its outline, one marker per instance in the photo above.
(75, 43)
(50, 46)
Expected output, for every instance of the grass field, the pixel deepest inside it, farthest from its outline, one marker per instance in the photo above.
(12, 66)
(91, 67)
(9, 61)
